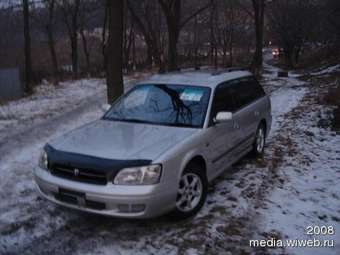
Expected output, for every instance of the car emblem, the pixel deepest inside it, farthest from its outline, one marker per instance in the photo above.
(76, 172)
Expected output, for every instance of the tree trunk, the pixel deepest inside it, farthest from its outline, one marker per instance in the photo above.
(134, 51)
(196, 65)
(213, 43)
(51, 42)
(28, 59)
(105, 21)
(74, 54)
(51, 45)
(172, 49)
(86, 51)
(74, 39)
(231, 60)
(148, 34)
(172, 11)
(231, 35)
(258, 6)
(149, 53)
(114, 77)
(288, 53)
(297, 55)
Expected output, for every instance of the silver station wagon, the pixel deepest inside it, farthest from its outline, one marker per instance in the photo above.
(158, 146)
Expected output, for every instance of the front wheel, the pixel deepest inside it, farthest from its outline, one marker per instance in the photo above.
(191, 193)
(260, 140)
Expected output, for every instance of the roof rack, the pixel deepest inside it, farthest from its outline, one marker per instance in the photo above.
(212, 71)
(228, 70)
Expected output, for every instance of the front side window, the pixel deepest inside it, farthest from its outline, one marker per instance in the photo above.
(173, 105)
(223, 99)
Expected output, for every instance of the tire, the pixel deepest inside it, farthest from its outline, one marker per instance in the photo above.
(187, 190)
(260, 141)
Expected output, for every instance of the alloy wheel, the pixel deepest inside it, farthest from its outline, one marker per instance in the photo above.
(189, 193)
(260, 140)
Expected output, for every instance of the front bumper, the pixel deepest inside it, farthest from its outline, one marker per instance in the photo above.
(145, 201)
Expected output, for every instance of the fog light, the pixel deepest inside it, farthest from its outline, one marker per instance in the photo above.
(123, 208)
(137, 208)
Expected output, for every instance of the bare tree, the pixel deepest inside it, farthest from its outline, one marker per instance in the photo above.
(147, 18)
(27, 36)
(84, 40)
(259, 8)
(228, 32)
(70, 9)
(224, 30)
(128, 35)
(44, 19)
(175, 22)
(293, 23)
(49, 27)
(213, 34)
(332, 16)
(104, 30)
(114, 50)
(89, 11)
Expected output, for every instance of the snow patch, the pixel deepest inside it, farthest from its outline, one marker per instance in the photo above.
(327, 70)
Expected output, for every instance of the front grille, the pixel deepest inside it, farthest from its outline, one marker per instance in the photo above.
(80, 175)
(71, 199)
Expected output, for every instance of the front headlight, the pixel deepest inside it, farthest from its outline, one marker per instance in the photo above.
(144, 175)
(43, 160)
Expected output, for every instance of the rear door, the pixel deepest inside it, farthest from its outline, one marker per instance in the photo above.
(247, 94)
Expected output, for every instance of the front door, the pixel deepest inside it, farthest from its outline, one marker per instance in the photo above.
(224, 136)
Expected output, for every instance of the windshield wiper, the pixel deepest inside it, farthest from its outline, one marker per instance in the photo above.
(137, 121)
(127, 120)
(181, 125)
(151, 122)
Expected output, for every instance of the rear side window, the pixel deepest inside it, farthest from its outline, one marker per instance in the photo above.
(256, 86)
(248, 90)
(223, 99)
(233, 95)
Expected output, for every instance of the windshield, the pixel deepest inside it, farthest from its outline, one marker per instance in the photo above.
(173, 105)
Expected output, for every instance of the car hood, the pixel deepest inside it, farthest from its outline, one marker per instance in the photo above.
(121, 140)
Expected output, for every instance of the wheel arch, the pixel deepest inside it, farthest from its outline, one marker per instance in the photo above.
(264, 123)
(199, 160)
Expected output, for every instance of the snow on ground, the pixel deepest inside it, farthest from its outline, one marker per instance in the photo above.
(245, 202)
(283, 103)
(309, 174)
(327, 70)
(20, 207)
(51, 111)
(310, 195)
(49, 101)
(286, 93)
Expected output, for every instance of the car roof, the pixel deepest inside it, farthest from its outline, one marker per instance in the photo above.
(205, 78)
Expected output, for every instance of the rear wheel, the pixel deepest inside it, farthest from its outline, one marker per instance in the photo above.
(191, 193)
(260, 140)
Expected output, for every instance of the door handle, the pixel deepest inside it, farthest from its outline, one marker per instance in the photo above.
(256, 113)
(236, 125)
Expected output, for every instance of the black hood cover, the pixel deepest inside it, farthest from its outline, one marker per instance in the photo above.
(109, 167)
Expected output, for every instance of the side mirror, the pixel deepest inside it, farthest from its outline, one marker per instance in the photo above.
(222, 117)
(105, 107)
